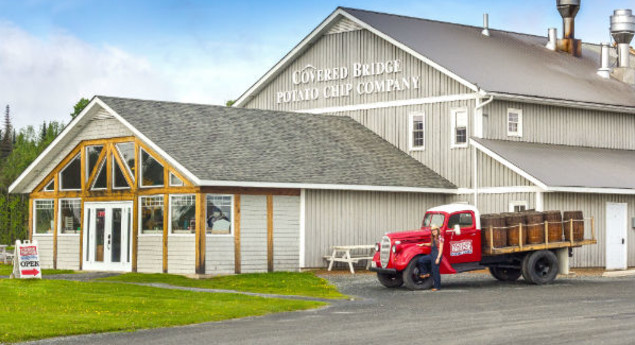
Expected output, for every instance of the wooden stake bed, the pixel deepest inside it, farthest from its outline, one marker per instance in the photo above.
(490, 250)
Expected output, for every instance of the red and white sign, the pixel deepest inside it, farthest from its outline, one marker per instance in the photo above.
(461, 248)
(27, 260)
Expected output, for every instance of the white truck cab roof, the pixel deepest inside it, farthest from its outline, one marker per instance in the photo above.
(452, 208)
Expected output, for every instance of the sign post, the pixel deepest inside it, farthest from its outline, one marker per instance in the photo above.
(26, 261)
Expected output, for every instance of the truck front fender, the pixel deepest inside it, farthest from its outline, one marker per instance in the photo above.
(403, 257)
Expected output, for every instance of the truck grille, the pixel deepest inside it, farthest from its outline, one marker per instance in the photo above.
(384, 251)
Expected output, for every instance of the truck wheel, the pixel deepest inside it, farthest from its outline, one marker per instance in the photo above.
(411, 278)
(390, 280)
(505, 274)
(540, 267)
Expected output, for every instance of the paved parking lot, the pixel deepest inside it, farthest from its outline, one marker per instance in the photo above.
(470, 309)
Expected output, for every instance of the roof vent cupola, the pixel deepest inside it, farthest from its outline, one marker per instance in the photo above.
(623, 30)
(568, 10)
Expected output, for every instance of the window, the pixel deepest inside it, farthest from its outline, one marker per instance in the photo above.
(517, 206)
(464, 220)
(44, 210)
(50, 187)
(417, 131)
(175, 181)
(92, 155)
(152, 214)
(182, 214)
(459, 128)
(70, 211)
(219, 214)
(70, 176)
(126, 152)
(100, 181)
(119, 180)
(151, 171)
(433, 219)
(514, 122)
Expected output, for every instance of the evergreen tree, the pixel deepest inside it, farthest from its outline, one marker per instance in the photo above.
(6, 146)
(43, 132)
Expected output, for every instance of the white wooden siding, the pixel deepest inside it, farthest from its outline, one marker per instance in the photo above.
(493, 174)
(286, 233)
(561, 125)
(150, 254)
(68, 252)
(219, 254)
(350, 218)
(45, 246)
(495, 203)
(253, 233)
(182, 254)
(344, 49)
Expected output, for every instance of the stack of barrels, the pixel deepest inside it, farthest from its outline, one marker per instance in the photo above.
(506, 227)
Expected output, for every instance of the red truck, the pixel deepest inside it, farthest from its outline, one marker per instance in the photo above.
(396, 255)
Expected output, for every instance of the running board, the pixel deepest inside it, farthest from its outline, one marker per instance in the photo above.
(468, 266)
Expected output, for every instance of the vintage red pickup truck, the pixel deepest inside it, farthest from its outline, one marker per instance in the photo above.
(464, 250)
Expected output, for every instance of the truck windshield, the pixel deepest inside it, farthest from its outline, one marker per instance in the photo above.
(433, 219)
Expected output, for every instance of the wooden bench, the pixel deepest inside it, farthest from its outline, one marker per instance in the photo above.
(343, 254)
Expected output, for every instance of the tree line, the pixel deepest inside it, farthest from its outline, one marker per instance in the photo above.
(18, 149)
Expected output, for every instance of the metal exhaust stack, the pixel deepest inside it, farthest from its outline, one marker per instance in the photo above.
(552, 44)
(623, 30)
(568, 10)
(605, 70)
(485, 31)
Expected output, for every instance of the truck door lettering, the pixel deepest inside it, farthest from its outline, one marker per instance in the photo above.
(461, 248)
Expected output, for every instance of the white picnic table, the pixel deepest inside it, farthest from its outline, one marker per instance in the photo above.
(4, 255)
(343, 254)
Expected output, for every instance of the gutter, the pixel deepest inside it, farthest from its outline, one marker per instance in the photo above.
(563, 103)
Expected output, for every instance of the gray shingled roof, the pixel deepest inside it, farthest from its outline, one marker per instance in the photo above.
(568, 166)
(505, 62)
(237, 144)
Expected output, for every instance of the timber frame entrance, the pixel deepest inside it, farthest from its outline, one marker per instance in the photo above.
(111, 161)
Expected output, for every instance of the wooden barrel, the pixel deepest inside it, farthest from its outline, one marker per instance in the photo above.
(554, 219)
(499, 231)
(535, 227)
(513, 221)
(578, 225)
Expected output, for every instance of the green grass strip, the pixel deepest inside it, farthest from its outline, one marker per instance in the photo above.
(36, 309)
(6, 270)
(281, 283)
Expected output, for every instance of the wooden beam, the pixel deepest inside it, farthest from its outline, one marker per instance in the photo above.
(166, 203)
(135, 233)
(31, 225)
(269, 233)
(56, 205)
(237, 257)
(541, 246)
(108, 168)
(199, 237)
(81, 234)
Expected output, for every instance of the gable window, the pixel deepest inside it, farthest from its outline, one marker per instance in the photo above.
(417, 131)
(126, 152)
(219, 214)
(459, 128)
(182, 214)
(514, 122)
(518, 206)
(70, 210)
(70, 176)
(151, 171)
(92, 155)
(43, 216)
(119, 180)
(50, 187)
(100, 181)
(175, 181)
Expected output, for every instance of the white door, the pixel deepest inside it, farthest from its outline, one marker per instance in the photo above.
(107, 237)
(616, 228)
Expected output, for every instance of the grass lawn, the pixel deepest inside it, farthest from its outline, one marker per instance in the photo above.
(35, 309)
(282, 283)
(6, 270)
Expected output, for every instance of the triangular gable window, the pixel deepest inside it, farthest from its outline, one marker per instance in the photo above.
(126, 151)
(175, 181)
(101, 178)
(92, 155)
(119, 180)
(70, 177)
(50, 187)
(151, 171)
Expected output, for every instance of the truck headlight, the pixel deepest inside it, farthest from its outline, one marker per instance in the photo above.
(394, 249)
(376, 247)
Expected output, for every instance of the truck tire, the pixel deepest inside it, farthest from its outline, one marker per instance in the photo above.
(505, 274)
(411, 278)
(540, 267)
(390, 280)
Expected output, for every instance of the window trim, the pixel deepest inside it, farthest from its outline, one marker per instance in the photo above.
(519, 133)
(513, 204)
(35, 233)
(140, 220)
(61, 184)
(48, 184)
(231, 233)
(454, 112)
(170, 180)
(171, 196)
(411, 117)
(141, 150)
(59, 217)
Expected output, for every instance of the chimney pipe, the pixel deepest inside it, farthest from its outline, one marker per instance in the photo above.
(553, 39)
(605, 70)
(568, 10)
(623, 30)
(485, 31)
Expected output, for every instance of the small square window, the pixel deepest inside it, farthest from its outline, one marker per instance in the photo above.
(459, 128)
(417, 131)
(518, 206)
(219, 214)
(515, 122)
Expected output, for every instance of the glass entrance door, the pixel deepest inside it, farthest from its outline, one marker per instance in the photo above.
(107, 236)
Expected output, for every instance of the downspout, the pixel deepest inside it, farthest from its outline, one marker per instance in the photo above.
(478, 132)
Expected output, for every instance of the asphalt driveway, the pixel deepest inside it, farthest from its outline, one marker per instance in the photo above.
(470, 309)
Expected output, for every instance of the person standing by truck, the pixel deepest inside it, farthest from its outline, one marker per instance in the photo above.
(433, 259)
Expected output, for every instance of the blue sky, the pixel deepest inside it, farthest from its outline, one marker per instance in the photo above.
(54, 52)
